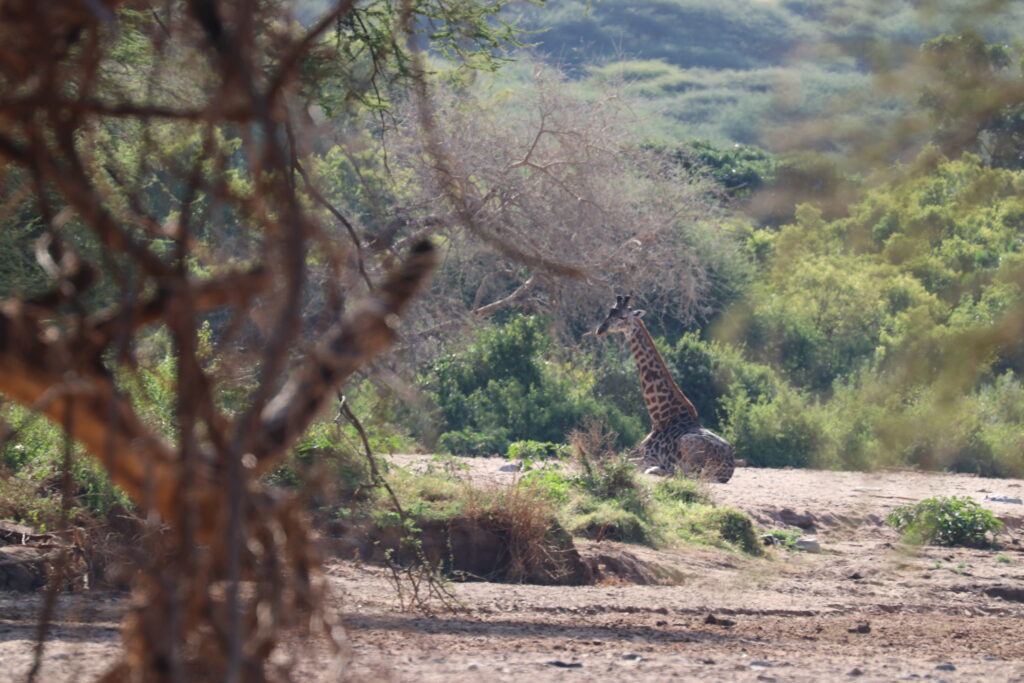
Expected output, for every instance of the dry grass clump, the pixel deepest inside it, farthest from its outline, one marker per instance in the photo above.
(524, 516)
(505, 533)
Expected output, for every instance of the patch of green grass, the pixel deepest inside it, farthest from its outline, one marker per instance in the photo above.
(671, 513)
(786, 538)
(704, 524)
(680, 490)
(605, 498)
(422, 495)
(1003, 559)
(609, 520)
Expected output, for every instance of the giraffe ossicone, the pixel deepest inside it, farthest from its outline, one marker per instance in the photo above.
(677, 441)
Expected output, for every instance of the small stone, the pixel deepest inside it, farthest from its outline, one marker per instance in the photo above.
(707, 661)
(863, 627)
(946, 667)
(855, 576)
(1005, 499)
(761, 663)
(473, 666)
(510, 467)
(565, 665)
(808, 545)
(632, 657)
(855, 672)
(718, 621)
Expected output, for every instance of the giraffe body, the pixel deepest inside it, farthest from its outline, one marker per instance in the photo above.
(677, 441)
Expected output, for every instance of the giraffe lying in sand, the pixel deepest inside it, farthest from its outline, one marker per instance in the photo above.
(676, 441)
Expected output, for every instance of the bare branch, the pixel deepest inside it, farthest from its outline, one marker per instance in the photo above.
(509, 300)
(358, 338)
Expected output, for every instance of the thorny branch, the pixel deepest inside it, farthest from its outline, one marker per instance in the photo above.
(417, 574)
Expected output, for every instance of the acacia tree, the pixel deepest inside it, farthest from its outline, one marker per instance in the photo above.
(154, 158)
(553, 185)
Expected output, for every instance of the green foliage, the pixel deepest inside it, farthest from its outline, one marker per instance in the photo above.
(609, 500)
(614, 478)
(685, 32)
(470, 442)
(711, 371)
(880, 330)
(952, 521)
(606, 519)
(535, 451)
(742, 72)
(785, 538)
(783, 431)
(33, 463)
(504, 388)
(679, 489)
(966, 99)
(740, 170)
(731, 525)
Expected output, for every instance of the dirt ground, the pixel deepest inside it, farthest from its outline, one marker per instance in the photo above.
(864, 608)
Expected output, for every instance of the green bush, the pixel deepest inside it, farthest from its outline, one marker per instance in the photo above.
(710, 371)
(505, 387)
(706, 524)
(785, 431)
(734, 527)
(33, 460)
(536, 451)
(614, 478)
(952, 521)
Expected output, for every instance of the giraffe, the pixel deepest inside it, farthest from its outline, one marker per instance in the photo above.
(676, 438)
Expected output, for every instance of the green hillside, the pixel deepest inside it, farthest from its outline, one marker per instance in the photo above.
(747, 71)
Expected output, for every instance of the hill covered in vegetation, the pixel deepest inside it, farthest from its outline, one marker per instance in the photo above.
(757, 72)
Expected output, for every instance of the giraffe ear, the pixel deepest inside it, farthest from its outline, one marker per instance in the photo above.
(638, 313)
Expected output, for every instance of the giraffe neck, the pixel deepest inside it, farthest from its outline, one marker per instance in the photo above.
(666, 403)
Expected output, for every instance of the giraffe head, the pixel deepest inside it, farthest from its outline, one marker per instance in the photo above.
(621, 318)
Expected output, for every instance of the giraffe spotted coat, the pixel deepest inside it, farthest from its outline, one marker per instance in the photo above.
(677, 441)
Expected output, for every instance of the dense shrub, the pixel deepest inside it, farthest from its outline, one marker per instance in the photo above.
(952, 521)
(504, 387)
(786, 430)
(708, 372)
(32, 461)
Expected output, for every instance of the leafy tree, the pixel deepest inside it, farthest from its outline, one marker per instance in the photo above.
(974, 98)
